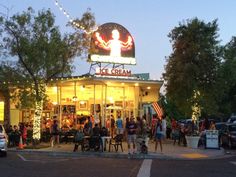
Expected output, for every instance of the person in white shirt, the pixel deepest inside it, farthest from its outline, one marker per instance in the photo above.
(163, 123)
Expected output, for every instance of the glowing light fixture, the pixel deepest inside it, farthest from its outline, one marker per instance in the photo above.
(148, 88)
(55, 89)
(75, 98)
(71, 20)
(111, 99)
(82, 87)
(82, 102)
(54, 103)
(136, 84)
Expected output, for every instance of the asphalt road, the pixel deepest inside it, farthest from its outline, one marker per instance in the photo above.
(38, 165)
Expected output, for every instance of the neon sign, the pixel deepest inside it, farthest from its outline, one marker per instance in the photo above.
(112, 43)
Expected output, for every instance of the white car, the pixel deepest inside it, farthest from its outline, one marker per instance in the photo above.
(3, 141)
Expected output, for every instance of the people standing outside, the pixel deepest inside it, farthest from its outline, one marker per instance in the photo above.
(108, 124)
(16, 135)
(139, 124)
(96, 130)
(24, 134)
(153, 126)
(164, 125)
(212, 125)
(79, 139)
(112, 126)
(125, 130)
(174, 130)
(54, 133)
(9, 132)
(131, 128)
(119, 125)
(88, 127)
(158, 134)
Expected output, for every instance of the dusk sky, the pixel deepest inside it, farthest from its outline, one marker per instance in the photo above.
(149, 22)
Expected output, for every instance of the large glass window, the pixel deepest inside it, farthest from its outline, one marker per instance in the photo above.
(1, 111)
(67, 94)
(52, 94)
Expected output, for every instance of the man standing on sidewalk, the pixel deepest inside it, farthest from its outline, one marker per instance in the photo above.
(131, 130)
(54, 133)
(119, 125)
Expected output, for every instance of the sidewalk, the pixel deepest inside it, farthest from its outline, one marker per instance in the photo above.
(170, 151)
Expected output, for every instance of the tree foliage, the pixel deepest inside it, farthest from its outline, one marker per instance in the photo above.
(193, 65)
(34, 49)
(37, 52)
(228, 79)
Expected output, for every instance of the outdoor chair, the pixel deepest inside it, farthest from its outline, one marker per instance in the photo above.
(116, 142)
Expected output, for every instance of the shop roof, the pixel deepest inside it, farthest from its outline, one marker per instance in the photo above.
(105, 79)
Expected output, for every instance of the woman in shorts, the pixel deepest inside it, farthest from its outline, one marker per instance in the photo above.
(158, 134)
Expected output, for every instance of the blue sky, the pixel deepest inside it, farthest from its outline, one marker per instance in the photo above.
(148, 21)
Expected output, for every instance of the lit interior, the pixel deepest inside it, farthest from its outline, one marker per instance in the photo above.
(1, 111)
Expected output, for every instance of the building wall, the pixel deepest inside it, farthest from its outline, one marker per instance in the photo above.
(15, 116)
(125, 98)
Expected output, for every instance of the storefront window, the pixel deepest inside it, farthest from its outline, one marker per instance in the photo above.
(67, 94)
(52, 94)
(120, 101)
(129, 101)
(1, 111)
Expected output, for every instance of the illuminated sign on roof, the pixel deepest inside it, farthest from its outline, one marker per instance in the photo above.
(112, 43)
(113, 72)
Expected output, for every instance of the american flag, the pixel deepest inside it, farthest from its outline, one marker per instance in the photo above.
(158, 109)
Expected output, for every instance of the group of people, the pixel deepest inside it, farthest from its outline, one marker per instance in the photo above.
(16, 133)
(129, 130)
(179, 130)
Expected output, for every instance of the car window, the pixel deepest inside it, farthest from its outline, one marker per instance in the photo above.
(219, 126)
(232, 128)
(231, 119)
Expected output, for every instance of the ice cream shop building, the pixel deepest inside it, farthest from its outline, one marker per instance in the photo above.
(108, 88)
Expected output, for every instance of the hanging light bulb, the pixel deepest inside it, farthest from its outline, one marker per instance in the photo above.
(75, 98)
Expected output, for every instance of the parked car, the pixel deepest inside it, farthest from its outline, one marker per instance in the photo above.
(219, 127)
(3, 141)
(232, 119)
(228, 136)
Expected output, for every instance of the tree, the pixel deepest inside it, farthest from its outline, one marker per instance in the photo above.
(38, 52)
(169, 108)
(193, 66)
(4, 89)
(228, 79)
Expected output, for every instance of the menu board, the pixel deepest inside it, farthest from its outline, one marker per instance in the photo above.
(212, 139)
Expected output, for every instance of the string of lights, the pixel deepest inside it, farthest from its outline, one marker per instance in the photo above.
(71, 20)
(60, 79)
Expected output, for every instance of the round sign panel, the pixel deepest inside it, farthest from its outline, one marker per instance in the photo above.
(112, 43)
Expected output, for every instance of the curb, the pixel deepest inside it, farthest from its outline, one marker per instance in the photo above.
(113, 155)
(92, 154)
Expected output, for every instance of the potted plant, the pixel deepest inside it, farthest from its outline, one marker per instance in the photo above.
(192, 140)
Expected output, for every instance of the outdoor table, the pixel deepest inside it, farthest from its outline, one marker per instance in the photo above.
(104, 138)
